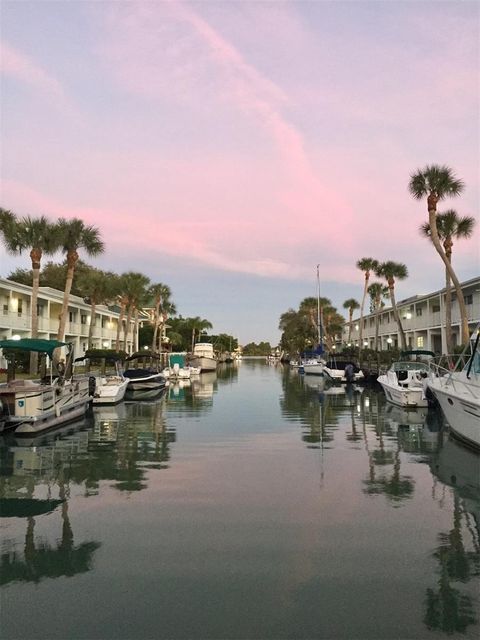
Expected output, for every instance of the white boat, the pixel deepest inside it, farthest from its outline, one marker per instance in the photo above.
(177, 368)
(32, 406)
(312, 366)
(404, 382)
(144, 375)
(110, 389)
(458, 394)
(335, 370)
(203, 357)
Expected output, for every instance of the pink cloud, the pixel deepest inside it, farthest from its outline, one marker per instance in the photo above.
(19, 66)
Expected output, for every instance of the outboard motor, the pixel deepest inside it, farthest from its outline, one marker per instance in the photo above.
(349, 372)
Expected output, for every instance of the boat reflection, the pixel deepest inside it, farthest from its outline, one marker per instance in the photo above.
(418, 430)
(449, 605)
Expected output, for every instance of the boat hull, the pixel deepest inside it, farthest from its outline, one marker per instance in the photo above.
(110, 393)
(403, 396)
(204, 363)
(460, 408)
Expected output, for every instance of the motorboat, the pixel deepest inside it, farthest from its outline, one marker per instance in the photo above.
(177, 368)
(144, 374)
(312, 366)
(335, 369)
(110, 386)
(458, 393)
(203, 357)
(31, 406)
(404, 383)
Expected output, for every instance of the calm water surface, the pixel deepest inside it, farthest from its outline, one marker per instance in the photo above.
(250, 504)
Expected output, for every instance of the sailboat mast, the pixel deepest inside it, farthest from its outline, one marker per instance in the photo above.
(319, 324)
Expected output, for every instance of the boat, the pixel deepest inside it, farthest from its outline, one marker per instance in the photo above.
(335, 367)
(110, 387)
(177, 368)
(31, 406)
(458, 393)
(203, 357)
(404, 383)
(144, 374)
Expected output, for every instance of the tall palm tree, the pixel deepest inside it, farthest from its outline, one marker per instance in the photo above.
(377, 291)
(134, 288)
(391, 270)
(98, 287)
(436, 182)
(75, 235)
(449, 226)
(367, 265)
(41, 237)
(161, 294)
(351, 304)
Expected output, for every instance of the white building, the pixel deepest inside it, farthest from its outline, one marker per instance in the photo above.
(423, 321)
(15, 318)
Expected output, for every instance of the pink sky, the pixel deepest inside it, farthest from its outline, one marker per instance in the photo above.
(242, 140)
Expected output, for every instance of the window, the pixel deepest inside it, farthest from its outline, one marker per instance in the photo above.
(40, 310)
(469, 299)
(5, 309)
(435, 308)
(71, 316)
(419, 312)
(104, 321)
(83, 319)
(420, 342)
(20, 307)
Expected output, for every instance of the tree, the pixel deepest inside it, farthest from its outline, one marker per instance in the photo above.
(40, 236)
(391, 270)
(161, 294)
(97, 287)
(134, 290)
(449, 226)
(367, 265)
(351, 304)
(75, 235)
(198, 325)
(436, 183)
(377, 290)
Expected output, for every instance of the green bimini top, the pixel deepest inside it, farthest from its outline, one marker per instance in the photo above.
(33, 344)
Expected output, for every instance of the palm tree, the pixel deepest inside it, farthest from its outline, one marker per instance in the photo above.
(98, 287)
(449, 226)
(75, 235)
(134, 288)
(351, 304)
(198, 325)
(391, 270)
(437, 183)
(41, 237)
(367, 265)
(161, 294)
(377, 290)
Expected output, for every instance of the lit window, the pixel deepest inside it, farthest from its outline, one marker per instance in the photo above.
(420, 342)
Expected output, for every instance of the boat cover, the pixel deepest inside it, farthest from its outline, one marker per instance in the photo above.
(33, 344)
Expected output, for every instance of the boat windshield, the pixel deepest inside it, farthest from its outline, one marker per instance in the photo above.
(410, 366)
(474, 367)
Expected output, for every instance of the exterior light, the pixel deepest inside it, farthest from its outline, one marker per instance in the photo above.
(408, 316)
(365, 343)
(367, 402)
(16, 337)
(106, 344)
(356, 327)
(349, 344)
(389, 340)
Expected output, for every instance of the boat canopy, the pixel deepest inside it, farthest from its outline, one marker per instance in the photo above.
(416, 354)
(33, 344)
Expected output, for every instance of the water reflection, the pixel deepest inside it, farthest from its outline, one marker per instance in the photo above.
(449, 607)
(239, 498)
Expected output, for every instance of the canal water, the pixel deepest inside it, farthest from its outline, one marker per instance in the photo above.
(253, 503)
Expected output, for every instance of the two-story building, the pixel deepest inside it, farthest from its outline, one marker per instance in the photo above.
(16, 312)
(423, 321)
